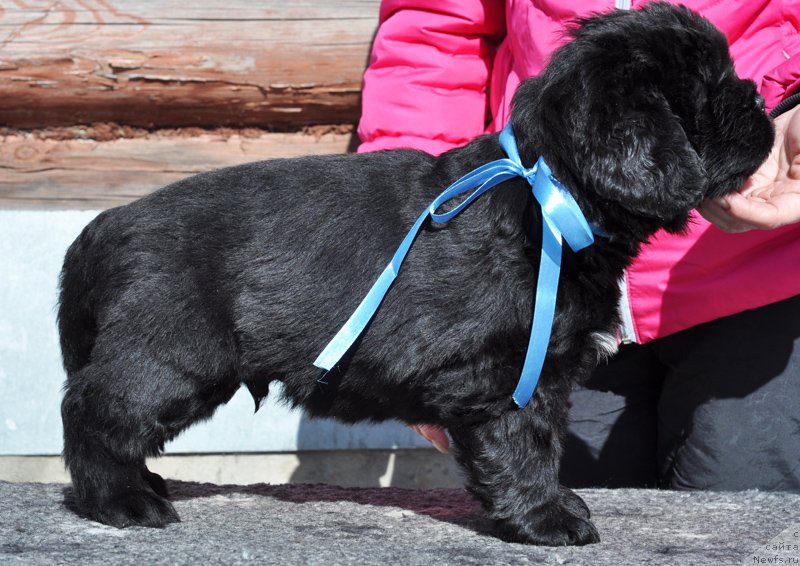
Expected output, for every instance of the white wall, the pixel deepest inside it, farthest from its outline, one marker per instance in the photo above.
(32, 246)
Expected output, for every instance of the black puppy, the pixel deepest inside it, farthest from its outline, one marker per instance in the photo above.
(241, 276)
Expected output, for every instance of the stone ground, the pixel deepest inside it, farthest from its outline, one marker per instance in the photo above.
(326, 525)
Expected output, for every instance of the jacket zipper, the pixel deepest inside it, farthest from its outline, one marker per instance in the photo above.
(627, 330)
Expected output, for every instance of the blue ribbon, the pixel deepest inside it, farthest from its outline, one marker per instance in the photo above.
(561, 218)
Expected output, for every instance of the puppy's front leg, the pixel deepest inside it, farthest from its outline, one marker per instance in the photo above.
(512, 464)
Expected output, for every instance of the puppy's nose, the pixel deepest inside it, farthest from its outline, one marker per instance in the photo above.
(760, 104)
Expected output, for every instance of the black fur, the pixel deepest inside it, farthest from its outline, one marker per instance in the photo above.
(241, 276)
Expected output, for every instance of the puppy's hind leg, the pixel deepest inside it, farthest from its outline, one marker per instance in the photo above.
(115, 414)
(512, 464)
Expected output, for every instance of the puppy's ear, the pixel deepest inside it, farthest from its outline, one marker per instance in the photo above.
(634, 151)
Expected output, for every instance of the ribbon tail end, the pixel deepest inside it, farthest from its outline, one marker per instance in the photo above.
(521, 399)
(323, 361)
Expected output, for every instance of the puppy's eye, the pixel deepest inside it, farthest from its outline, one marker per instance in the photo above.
(760, 104)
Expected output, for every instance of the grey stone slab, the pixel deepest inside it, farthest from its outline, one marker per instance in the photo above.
(318, 524)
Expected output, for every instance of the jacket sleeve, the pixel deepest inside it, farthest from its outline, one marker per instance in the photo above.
(426, 84)
(779, 67)
(782, 82)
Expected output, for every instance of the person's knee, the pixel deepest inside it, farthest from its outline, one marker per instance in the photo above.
(724, 448)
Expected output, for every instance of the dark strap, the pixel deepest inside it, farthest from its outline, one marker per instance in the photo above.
(786, 105)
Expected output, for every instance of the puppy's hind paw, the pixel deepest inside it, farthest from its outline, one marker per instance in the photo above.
(135, 509)
(550, 525)
(156, 482)
(573, 503)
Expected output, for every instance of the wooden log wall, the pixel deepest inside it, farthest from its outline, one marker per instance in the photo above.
(240, 80)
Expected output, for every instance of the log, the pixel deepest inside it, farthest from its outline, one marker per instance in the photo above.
(55, 173)
(271, 64)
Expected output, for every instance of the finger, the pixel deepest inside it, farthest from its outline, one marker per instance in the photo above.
(435, 436)
(753, 212)
(716, 211)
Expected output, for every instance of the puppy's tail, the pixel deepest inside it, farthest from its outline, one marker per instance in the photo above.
(77, 326)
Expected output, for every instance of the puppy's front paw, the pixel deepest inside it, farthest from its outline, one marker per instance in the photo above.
(559, 523)
(135, 509)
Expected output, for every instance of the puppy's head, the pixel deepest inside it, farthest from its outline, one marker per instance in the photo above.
(643, 116)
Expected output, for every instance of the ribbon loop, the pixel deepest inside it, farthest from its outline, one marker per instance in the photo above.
(558, 205)
(561, 216)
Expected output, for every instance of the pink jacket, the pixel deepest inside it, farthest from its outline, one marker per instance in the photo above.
(439, 69)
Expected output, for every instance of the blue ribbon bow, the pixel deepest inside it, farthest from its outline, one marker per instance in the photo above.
(561, 217)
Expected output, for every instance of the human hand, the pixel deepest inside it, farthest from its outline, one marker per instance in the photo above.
(771, 197)
(433, 434)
